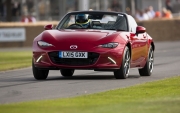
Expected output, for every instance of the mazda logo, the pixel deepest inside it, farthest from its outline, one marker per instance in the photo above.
(73, 47)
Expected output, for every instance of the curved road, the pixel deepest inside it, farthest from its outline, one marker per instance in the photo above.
(19, 85)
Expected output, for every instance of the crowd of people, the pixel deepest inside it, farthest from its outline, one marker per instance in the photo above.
(149, 13)
(28, 19)
(24, 11)
(166, 11)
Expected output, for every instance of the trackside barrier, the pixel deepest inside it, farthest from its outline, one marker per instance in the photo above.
(159, 29)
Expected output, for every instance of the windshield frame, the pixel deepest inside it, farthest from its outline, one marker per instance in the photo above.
(60, 24)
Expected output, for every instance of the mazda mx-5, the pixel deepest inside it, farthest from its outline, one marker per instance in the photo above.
(93, 40)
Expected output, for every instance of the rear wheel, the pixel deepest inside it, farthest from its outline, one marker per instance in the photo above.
(123, 72)
(39, 74)
(148, 68)
(67, 72)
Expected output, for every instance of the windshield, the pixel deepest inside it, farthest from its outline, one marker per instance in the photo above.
(94, 21)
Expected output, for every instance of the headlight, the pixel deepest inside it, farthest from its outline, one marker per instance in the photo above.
(109, 45)
(44, 44)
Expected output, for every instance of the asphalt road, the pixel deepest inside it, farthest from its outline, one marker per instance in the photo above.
(19, 85)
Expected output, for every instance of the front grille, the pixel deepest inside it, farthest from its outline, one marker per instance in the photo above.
(92, 58)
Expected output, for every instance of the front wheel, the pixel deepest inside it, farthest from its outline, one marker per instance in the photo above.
(148, 68)
(67, 72)
(39, 74)
(123, 72)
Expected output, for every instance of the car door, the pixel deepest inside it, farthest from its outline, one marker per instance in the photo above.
(138, 43)
(143, 45)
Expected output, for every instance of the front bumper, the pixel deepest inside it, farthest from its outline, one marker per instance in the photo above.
(110, 59)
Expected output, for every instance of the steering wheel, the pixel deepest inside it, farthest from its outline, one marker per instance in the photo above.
(73, 25)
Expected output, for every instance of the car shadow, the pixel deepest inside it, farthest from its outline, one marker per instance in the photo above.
(90, 77)
(31, 80)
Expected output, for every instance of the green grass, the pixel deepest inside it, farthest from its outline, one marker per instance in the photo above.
(154, 97)
(13, 60)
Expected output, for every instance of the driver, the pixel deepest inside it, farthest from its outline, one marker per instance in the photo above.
(83, 20)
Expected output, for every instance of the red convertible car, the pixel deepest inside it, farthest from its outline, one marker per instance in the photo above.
(93, 40)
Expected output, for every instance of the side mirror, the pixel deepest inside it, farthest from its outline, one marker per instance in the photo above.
(140, 29)
(48, 27)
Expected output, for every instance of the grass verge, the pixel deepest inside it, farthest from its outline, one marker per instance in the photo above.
(13, 60)
(154, 97)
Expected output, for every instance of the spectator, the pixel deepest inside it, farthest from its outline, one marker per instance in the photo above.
(168, 5)
(31, 19)
(1, 8)
(30, 5)
(24, 19)
(141, 16)
(176, 7)
(42, 8)
(148, 13)
(16, 8)
(115, 6)
(151, 12)
(158, 14)
(166, 13)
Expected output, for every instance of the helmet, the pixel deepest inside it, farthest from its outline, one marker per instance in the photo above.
(83, 20)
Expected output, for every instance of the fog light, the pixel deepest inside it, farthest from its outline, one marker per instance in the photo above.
(39, 58)
(112, 60)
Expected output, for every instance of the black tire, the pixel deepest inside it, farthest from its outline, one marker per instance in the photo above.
(148, 68)
(123, 72)
(39, 74)
(67, 72)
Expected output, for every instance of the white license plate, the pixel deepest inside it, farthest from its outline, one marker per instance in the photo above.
(69, 54)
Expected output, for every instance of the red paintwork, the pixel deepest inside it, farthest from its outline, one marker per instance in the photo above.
(140, 29)
(89, 41)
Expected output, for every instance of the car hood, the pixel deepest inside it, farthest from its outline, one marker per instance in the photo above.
(83, 38)
(79, 35)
